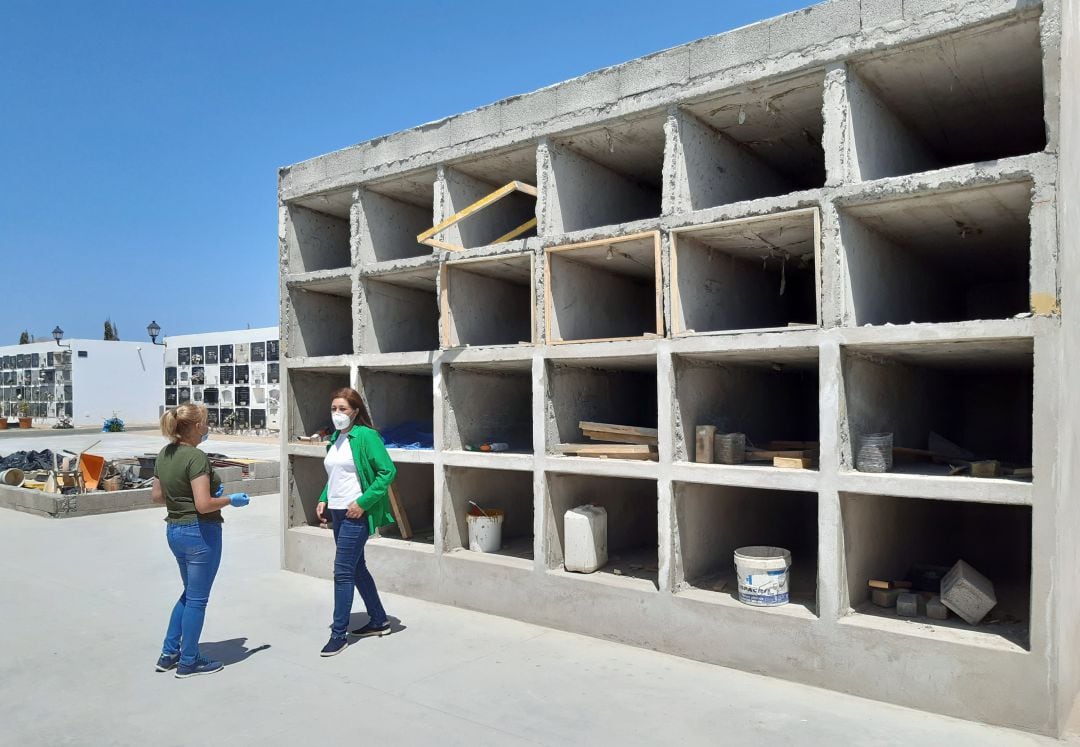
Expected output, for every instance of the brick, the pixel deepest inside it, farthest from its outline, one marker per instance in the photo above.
(968, 593)
(935, 610)
(229, 474)
(909, 604)
(265, 469)
(885, 597)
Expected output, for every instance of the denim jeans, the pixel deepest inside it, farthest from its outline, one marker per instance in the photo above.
(197, 548)
(350, 570)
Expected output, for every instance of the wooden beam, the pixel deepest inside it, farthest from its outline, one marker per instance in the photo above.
(531, 223)
(793, 462)
(402, 519)
(483, 202)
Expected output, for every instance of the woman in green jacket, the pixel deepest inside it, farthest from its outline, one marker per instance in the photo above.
(359, 473)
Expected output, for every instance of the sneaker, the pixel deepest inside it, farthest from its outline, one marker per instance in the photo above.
(334, 646)
(167, 662)
(202, 666)
(373, 630)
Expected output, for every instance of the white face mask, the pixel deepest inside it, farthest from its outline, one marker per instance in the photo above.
(341, 420)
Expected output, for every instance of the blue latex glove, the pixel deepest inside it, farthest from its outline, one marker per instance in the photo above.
(239, 499)
(220, 490)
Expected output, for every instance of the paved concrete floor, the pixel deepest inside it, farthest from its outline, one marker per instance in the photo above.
(128, 444)
(85, 602)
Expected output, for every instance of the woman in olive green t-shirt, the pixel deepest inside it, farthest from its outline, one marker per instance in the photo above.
(185, 482)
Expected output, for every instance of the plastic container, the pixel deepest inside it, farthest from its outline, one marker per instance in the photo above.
(730, 448)
(485, 529)
(585, 533)
(763, 575)
(12, 476)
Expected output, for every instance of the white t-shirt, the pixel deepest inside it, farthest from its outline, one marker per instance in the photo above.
(342, 487)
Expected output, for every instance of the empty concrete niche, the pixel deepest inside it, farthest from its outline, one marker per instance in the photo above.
(320, 318)
(753, 273)
(762, 141)
(963, 401)
(604, 290)
(310, 392)
(895, 539)
(488, 403)
(488, 301)
(492, 490)
(940, 257)
(415, 488)
(975, 95)
(713, 521)
(391, 213)
(473, 185)
(771, 396)
(618, 391)
(631, 507)
(399, 312)
(307, 478)
(317, 232)
(400, 402)
(605, 176)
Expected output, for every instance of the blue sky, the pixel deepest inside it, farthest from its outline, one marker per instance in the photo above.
(141, 140)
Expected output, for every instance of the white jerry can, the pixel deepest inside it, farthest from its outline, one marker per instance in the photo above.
(585, 532)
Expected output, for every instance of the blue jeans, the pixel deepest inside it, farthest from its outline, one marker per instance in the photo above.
(350, 570)
(197, 548)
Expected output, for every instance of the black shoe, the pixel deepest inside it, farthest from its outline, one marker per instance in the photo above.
(202, 666)
(373, 630)
(334, 647)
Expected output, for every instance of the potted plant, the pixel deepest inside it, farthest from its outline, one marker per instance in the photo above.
(23, 409)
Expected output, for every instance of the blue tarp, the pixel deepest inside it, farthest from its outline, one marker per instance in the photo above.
(414, 434)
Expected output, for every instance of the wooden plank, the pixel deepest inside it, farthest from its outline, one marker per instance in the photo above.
(516, 232)
(632, 430)
(762, 455)
(602, 242)
(793, 462)
(483, 202)
(609, 451)
(619, 438)
(657, 261)
(444, 306)
(790, 445)
(443, 245)
(402, 519)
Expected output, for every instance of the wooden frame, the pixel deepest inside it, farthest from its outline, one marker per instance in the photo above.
(659, 291)
(428, 236)
(446, 314)
(678, 323)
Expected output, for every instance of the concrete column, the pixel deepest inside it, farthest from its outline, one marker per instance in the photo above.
(832, 572)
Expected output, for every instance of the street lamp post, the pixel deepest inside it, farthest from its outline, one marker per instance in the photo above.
(58, 335)
(154, 329)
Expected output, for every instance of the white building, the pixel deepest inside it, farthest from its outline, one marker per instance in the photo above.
(79, 380)
(236, 374)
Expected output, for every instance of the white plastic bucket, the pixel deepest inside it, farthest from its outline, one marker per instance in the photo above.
(763, 575)
(12, 476)
(485, 530)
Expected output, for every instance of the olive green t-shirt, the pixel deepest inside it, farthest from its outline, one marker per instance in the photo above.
(176, 466)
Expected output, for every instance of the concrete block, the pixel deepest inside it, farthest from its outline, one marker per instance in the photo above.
(655, 71)
(880, 12)
(812, 26)
(909, 604)
(229, 474)
(885, 597)
(968, 593)
(260, 486)
(265, 469)
(935, 610)
(738, 47)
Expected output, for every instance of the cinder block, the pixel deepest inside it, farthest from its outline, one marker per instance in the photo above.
(265, 469)
(935, 610)
(885, 597)
(229, 474)
(968, 593)
(909, 604)
(254, 487)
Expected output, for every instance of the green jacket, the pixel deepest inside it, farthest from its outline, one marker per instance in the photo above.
(375, 472)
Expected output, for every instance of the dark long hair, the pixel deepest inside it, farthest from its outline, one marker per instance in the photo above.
(356, 402)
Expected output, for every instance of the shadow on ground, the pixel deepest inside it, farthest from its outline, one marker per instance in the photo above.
(232, 651)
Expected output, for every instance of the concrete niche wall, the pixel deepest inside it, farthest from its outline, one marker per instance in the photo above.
(713, 521)
(600, 390)
(415, 486)
(491, 402)
(306, 480)
(390, 214)
(770, 399)
(884, 536)
(977, 395)
(320, 320)
(399, 312)
(461, 184)
(631, 507)
(508, 491)
(940, 257)
(309, 396)
(317, 240)
(488, 301)
(762, 141)
(747, 274)
(396, 395)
